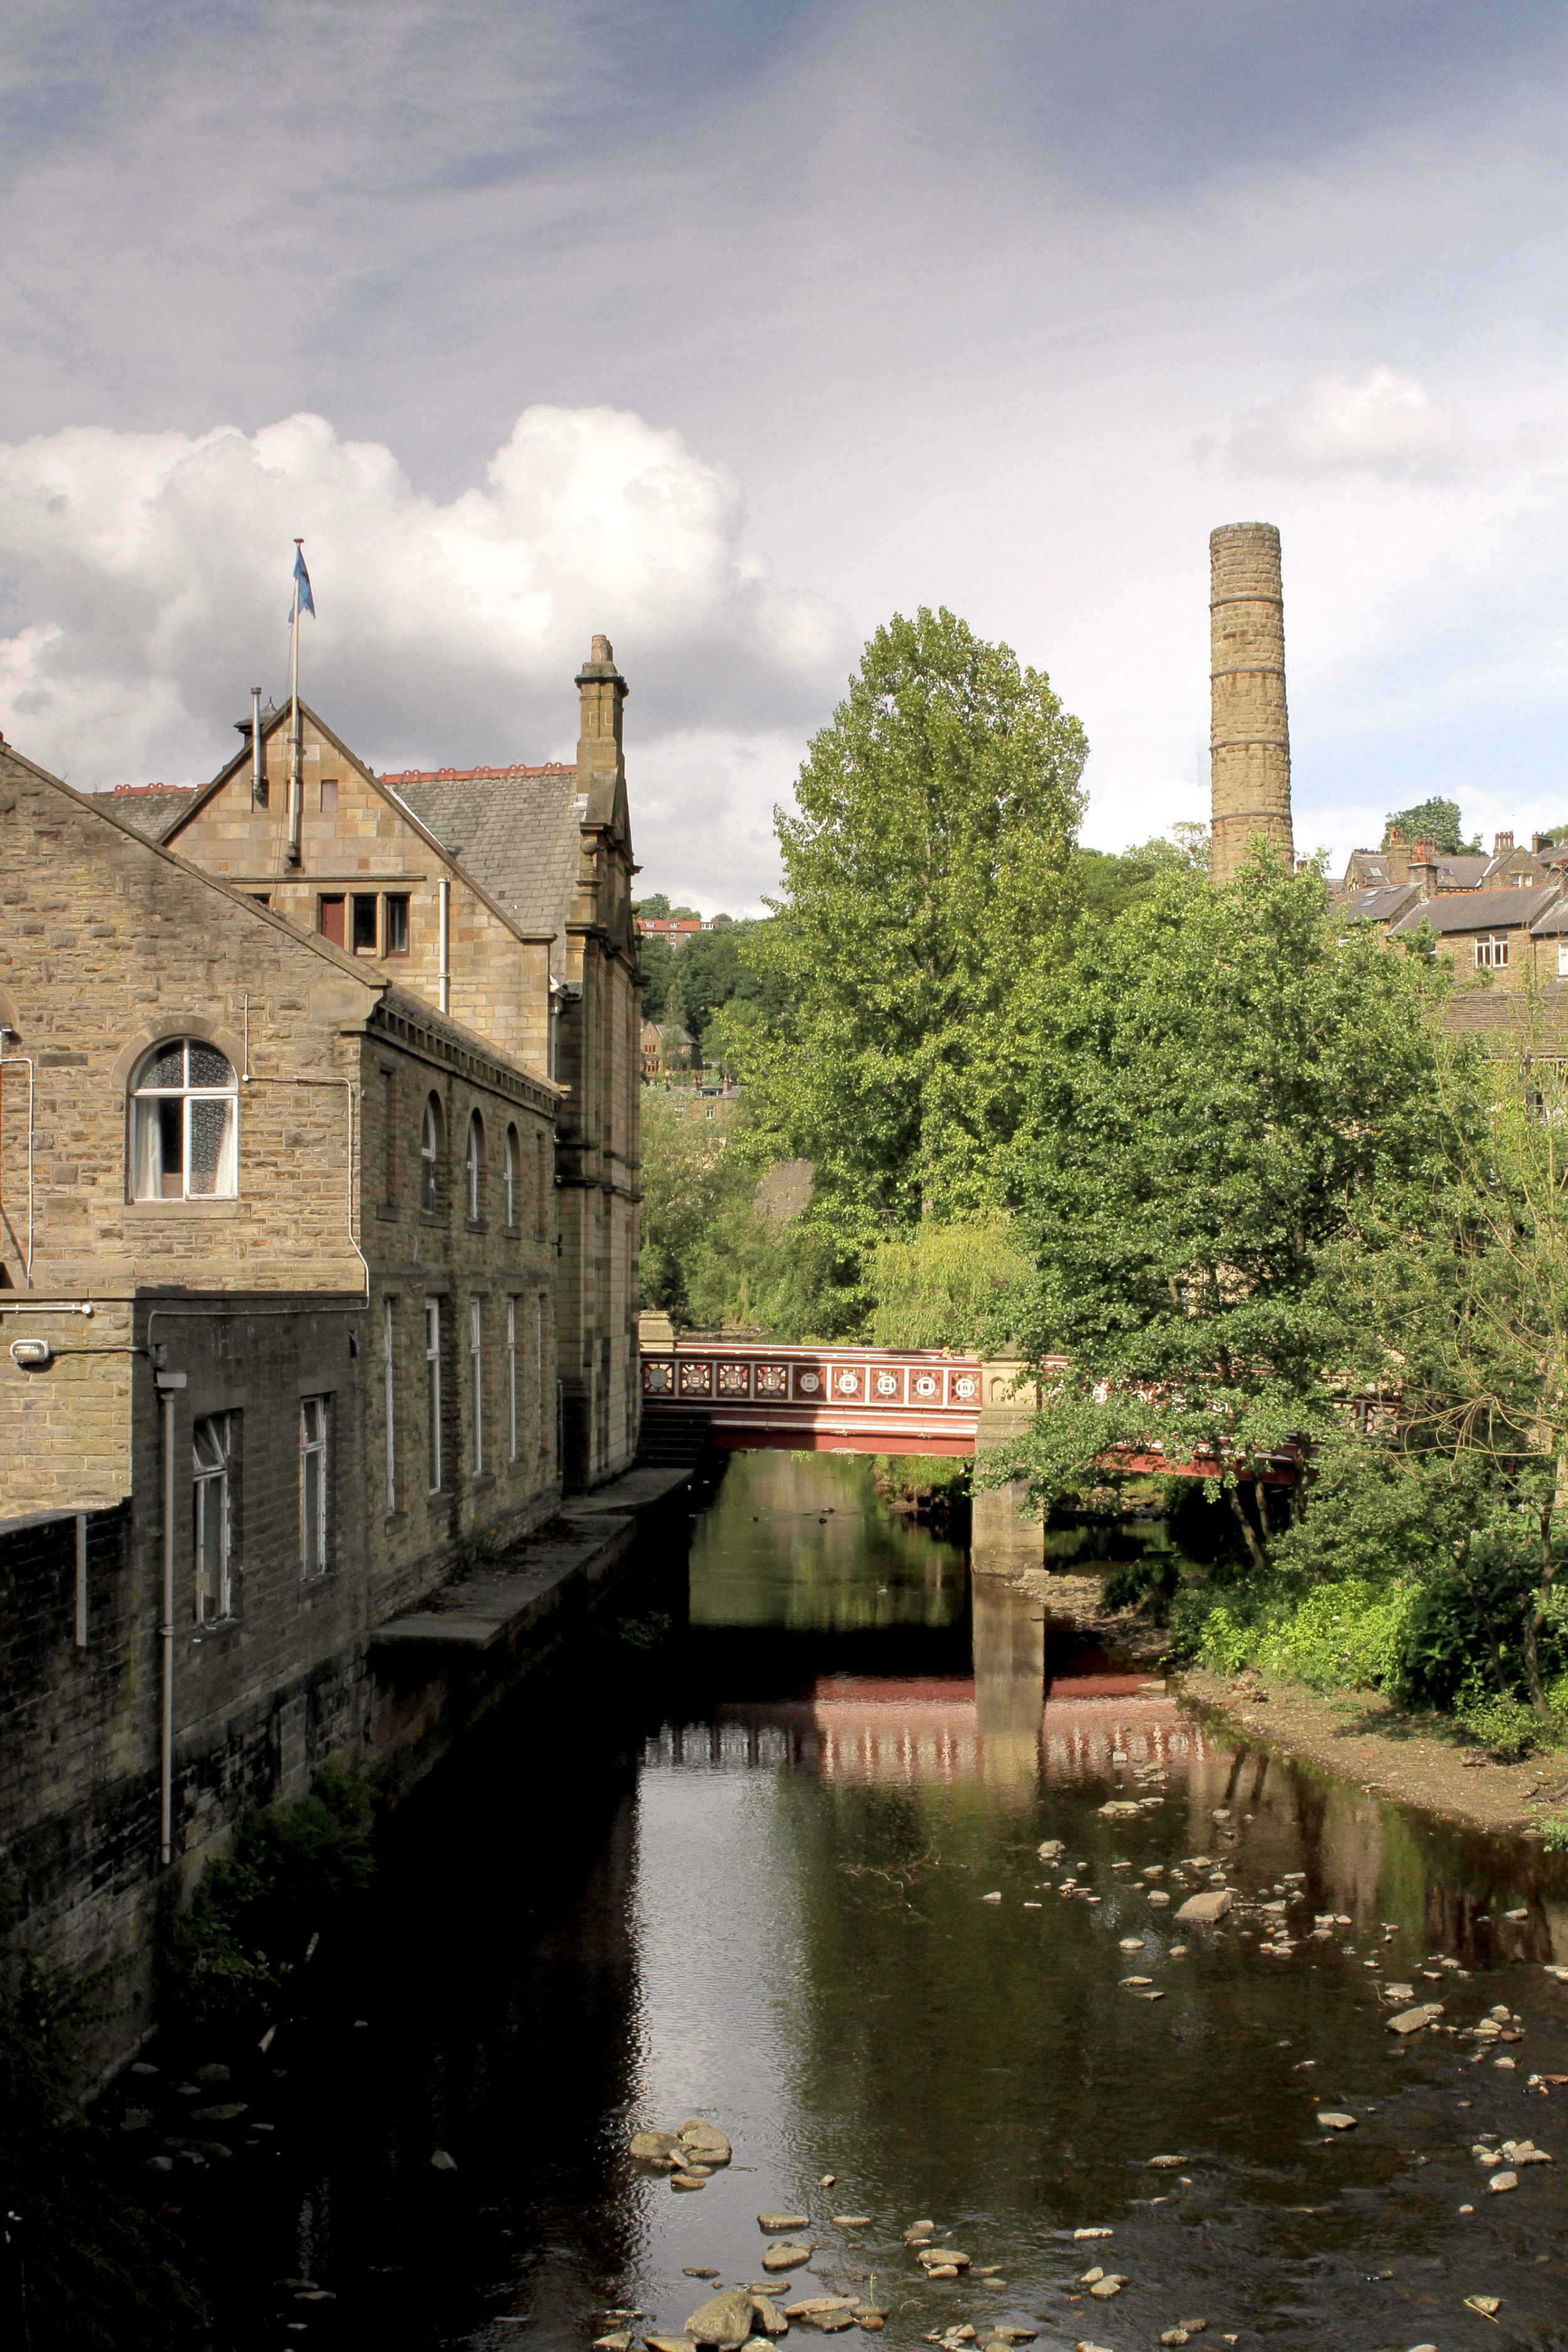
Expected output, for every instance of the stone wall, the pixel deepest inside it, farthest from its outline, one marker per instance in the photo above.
(1249, 732)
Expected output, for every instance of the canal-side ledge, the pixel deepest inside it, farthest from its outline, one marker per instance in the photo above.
(442, 1666)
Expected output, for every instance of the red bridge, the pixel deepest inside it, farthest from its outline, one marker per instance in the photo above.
(829, 1400)
(858, 1399)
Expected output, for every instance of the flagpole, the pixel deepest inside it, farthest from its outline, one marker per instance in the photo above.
(296, 778)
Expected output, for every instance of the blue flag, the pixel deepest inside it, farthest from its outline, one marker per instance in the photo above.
(306, 602)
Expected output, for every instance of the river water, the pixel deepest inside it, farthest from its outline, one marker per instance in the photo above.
(780, 1870)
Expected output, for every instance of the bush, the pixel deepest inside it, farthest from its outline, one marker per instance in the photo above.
(293, 1870)
(1344, 1635)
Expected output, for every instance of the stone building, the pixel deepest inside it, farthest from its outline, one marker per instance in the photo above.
(279, 1270)
(502, 898)
(1509, 936)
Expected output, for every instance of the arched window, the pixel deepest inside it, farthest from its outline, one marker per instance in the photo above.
(512, 1174)
(429, 1152)
(184, 1125)
(474, 1166)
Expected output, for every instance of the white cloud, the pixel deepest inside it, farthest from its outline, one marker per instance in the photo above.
(1381, 423)
(151, 582)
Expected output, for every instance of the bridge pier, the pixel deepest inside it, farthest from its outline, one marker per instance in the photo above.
(1001, 1538)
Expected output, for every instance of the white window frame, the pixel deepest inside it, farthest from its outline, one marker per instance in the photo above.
(312, 1522)
(433, 1392)
(211, 1506)
(512, 1376)
(429, 1155)
(1491, 953)
(474, 1164)
(508, 1175)
(146, 1103)
(1562, 959)
(389, 1359)
(477, 1375)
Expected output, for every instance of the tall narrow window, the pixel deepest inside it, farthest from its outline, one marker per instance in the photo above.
(512, 1378)
(394, 939)
(541, 1215)
(433, 1391)
(473, 1167)
(477, 1377)
(388, 1363)
(429, 1154)
(313, 1486)
(185, 1122)
(210, 1445)
(389, 1138)
(538, 1374)
(512, 1174)
(364, 923)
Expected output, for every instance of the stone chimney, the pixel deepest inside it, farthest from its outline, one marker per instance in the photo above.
(1502, 844)
(1249, 734)
(601, 692)
(1397, 857)
(1424, 868)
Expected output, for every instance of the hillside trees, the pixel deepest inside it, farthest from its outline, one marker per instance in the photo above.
(929, 890)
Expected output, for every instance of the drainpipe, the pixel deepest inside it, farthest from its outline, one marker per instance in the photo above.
(168, 1384)
(446, 945)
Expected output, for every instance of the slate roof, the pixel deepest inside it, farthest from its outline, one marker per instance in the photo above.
(1479, 910)
(152, 809)
(1553, 922)
(516, 830)
(1381, 904)
(1461, 873)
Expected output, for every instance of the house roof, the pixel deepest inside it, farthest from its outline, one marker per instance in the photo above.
(518, 831)
(1479, 910)
(1553, 922)
(1381, 903)
(1461, 872)
(152, 809)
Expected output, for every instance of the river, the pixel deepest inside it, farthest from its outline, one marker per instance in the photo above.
(779, 1869)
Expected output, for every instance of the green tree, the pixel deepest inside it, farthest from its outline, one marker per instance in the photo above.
(1469, 1306)
(929, 890)
(1437, 821)
(710, 1257)
(712, 971)
(948, 1286)
(1225, 1094)
(658, 971)
(1110, 882)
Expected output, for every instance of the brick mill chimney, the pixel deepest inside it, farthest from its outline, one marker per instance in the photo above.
(1249, 733)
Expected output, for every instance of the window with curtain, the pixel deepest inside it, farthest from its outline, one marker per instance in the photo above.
(474, 1165)
(313, 1486)
(429, 1153)
(185, 1124)
(212, 1443)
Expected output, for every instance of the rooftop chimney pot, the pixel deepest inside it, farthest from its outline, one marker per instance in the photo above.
(1502, 844)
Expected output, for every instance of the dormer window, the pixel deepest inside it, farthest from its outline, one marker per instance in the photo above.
(184, 1123)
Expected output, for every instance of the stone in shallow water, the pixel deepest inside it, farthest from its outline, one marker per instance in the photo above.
(1206, 1908)
(777, 2222)
(705, 2141)
(690, 2179)
(1502, 2182)
(1106, 2287)
(1411, 2020)
(618, 2340)
(769, 2317)
(654, 2148)
(1332, 2119)
(1052, 1850)
(725, 2319)
(667, 2343)
(944, 2254)
(786, 2258)
(845, 2222)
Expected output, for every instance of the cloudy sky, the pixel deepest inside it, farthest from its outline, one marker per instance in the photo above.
(730, 327)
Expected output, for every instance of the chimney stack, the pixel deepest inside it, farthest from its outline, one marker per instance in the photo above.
(1249, 734)
(600, 691)
(1502, 844)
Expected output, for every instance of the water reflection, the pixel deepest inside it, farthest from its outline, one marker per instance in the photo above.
(787, 1875)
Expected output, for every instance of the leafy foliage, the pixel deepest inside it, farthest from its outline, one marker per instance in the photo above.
(293, 1869)
(929, 890)
(1223, 1092)
(1437, 821)
(948, 1286)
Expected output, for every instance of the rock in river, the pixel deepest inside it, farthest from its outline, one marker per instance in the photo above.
(654, 2148)
(1332, 2119)
(705, 2141)
(1051, 1851)
(1411, 2020)
(1206, 1908)
(786, 2258)
(779, 2221)
(725, 2319)
(770, 2318)
(1502, 2182)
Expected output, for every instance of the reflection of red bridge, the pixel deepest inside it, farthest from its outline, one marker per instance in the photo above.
(829, 1400)
(857, 1400)
(939, 1729)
